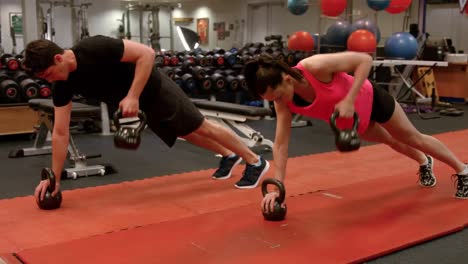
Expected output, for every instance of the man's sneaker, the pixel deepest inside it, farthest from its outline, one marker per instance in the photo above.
(462, 186)
(426, 176)
(253, 174)
(226, 165)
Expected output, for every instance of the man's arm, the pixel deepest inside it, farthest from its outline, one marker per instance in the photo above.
(60, 137)
(143, 57)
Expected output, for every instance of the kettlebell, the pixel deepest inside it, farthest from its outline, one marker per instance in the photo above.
(49, 202)
(279, 213)
(347, 139)
(128, 137)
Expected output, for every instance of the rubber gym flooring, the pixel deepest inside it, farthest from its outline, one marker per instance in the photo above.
(193, 166)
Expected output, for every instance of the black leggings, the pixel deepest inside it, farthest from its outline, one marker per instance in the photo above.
(383, 105)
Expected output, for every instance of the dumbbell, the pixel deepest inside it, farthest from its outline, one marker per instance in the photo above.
(242, 82)
(289, 57)
(230, 58)
(160, 60)
(201, 60)
(209, 60)
(178, 80)
(278, 55)
(10, 62)
(232, 83)
(219, 82)
(169, 71)
(44, 88)
(219, 51)
(20, 59)
(218, 60)
(266, 49)
(9, 89)
(197, 71)
(245, 58)
(206, 84)
(189, 83)
(29, 89)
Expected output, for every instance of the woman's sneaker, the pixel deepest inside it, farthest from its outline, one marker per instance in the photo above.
(426, 175)
(462, 186)
(226, 165)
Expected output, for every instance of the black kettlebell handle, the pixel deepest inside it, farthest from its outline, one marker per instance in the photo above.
(48, 174)
(335, 115)
(279, 184)
(141, 116)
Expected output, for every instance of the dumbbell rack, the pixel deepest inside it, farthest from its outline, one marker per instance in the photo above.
(16, 88)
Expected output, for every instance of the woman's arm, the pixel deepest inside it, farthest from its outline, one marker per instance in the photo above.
(322, 66)
(283, 132)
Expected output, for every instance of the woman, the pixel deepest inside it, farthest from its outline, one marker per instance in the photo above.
(319, 85)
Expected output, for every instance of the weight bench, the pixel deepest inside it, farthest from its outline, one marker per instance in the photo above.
(236, 115)
(45, 109)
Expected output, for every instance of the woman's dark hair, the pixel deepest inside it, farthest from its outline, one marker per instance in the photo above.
(264, 71)
(39, 55)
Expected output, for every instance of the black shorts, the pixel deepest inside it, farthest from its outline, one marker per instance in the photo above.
(383, 105)
(170, 113)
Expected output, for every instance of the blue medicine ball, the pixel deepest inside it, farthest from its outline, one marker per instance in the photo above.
(401, 45)
(298, 7)
(338, 32)
(378, 5)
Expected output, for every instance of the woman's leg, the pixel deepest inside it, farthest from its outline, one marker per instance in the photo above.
(401, 129)
(376, 133)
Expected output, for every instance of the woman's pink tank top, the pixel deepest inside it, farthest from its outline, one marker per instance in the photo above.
(327, 95)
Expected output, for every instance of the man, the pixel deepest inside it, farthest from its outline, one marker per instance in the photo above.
(121, 74)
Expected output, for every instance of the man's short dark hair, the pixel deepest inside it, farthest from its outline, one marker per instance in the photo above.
(39, 55)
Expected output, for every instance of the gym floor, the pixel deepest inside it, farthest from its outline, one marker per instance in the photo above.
(153, 159)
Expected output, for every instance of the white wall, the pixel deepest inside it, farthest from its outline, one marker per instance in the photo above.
(217, 11)
(446, 21)
(6, 7)
(104, 14)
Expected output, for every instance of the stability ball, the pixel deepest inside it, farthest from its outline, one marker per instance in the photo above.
(401, 45)
(366, 24)
(298, 7)
(301, 41)
(338, 32)
(378, 5)
(332, 8)
(362, 40)
(398, 6)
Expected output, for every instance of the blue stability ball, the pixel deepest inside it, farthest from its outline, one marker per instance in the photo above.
(368, 25)
(378, 5)
(338, 33)
(298, 7)
(401, 45)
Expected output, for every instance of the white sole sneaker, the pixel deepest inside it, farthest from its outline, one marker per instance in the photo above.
(267, 166)
(435, 178)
